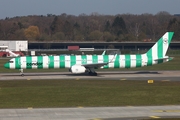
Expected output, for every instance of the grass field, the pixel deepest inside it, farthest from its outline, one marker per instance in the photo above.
(73, 93)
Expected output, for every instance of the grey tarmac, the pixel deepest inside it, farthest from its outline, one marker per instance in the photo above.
(92, 113)
(102, 75)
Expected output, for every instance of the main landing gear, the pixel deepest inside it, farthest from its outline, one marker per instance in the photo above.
(92, 72)
(21, 72)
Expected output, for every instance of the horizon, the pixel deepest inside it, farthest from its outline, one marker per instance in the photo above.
(18, 8)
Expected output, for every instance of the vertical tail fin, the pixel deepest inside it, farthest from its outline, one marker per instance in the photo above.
(160, 48)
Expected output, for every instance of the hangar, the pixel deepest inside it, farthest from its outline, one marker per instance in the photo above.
(98, 45)
(15, 45)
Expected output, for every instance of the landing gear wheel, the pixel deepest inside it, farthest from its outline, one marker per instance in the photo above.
(93, 73)
(21, 72)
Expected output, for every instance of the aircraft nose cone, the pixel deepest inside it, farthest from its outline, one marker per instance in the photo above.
(6, 65)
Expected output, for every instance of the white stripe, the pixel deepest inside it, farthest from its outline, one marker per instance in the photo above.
(34, 60)
(133, 60)
(56, 61)
(23, 62)
(12, 65)
(111, 64)
(67, 61)
(165, 43)
(45, 61)
(100, 59)
(89, 59)
(144, 60)
(154, 51)
(78, 60)
(122, 61)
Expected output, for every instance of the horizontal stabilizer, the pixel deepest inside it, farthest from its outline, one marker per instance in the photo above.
(165, 58)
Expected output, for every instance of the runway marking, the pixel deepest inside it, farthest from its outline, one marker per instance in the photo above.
(80, 107)
(77, 79)
(150, 81)
(154, 117)
(165, 80)
(129, 106)
(97, 119)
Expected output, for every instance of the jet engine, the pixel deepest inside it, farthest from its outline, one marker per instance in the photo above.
(77, 69)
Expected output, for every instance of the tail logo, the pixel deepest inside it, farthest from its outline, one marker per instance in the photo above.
(165, 40)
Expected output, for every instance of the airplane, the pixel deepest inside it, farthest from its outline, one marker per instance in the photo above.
(11, 53)
(78, 64)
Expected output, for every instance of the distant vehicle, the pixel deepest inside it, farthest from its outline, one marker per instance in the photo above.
(87, 63)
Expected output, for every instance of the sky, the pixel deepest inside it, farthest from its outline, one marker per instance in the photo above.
(13, 8)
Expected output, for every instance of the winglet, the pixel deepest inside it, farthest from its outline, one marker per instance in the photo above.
(104, 52)
(113, 58)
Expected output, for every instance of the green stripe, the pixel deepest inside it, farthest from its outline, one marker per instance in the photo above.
(94, 58)
(117, 62)
(160, 48)
(84, 59)
(40, 60)
(62, 61)
(149, 57)
(138, 60)
(28, 62)
(7, 65)
(73, 60)
(160, 61)
(170, 35)
(17, 63)
(105, 60)
(51, 62)
(127, 61)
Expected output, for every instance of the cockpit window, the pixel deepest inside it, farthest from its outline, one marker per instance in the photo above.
(10, 61)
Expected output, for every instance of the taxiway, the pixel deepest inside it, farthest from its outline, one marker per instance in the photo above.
(103, 75)
(94, 113)
(91, 113)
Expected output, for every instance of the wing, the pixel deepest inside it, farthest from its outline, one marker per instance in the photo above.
(98, 65)
(94, 65)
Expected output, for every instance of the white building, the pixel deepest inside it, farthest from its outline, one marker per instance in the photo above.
(15, 45)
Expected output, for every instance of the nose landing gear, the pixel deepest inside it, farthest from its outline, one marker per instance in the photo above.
(21, 72)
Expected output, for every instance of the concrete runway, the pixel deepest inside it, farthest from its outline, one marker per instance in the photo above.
(91, 113)
(105, 75)
(94, 113)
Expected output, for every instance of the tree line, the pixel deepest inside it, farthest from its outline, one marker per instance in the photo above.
(94, 27)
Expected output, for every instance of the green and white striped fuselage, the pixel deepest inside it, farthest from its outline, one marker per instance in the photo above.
(87, 63)
(67, 61)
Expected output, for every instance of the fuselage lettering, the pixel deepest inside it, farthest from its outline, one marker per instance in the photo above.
(34, 64)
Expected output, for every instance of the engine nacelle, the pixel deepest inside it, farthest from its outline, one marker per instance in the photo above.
(77, 69)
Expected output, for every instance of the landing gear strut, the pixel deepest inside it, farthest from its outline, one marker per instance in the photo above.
(92, 72)
(21, 72)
